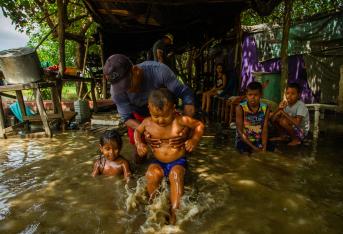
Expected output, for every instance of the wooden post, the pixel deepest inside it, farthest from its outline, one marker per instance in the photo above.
(102, 57)
(316, 122)
(61, 12)
(2, 121)
(340, 91)
(57, 105)
(21, 102)
(238, 51)
(43, 115)
(95, 105)
(284, 45)
(83, 69)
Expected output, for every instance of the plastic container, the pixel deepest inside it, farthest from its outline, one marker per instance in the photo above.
(82, 109)
(271, 84)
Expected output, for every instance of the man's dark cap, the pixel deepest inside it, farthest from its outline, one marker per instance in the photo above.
(118, 70)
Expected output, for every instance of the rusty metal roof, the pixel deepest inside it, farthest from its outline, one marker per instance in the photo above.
(136, 24)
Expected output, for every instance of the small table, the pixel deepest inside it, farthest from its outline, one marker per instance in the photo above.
(43, 116)
(317, 107)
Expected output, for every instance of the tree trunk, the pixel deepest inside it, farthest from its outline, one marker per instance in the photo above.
(61, 7)
(238, 51)
(80, 53)
(284, 46)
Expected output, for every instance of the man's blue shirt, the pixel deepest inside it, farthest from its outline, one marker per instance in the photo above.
(155, 75)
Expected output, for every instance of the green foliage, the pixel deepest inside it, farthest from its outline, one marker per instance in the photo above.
(48, 51)
(39, 17)
(301, 9)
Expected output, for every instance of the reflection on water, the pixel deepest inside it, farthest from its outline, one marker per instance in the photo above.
(46, 187)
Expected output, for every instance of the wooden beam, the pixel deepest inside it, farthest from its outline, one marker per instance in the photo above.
(43, 115)
(170, 3)
(140, 18)
(113, 12)
(2, 121)
(8, 95)
(25, 86)
(14, 127)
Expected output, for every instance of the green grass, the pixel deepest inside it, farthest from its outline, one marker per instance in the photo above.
(68, 93)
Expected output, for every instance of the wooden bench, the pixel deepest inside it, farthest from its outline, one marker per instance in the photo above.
(43, 116)
(316, 107)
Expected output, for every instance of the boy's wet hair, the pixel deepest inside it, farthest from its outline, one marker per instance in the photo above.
(294, 86)
(254, 86)
(160, 97)
(111, 135)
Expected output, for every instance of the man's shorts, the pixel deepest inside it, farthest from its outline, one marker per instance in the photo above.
(168, 166)
(130, 131)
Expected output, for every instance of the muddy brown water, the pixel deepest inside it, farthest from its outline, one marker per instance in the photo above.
(46, 187)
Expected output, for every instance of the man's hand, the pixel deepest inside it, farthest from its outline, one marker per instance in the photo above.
(189, 110)
(190, 144)
(179, 141)
(153, 142)
(142, 149)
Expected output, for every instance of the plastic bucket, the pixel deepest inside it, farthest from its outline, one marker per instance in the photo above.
(82, 109)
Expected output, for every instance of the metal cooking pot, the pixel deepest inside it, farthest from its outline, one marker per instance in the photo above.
(20, 65)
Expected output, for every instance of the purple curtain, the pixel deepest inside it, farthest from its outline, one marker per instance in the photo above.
(296, 68)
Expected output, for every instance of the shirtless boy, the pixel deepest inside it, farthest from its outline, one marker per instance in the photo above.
(165, 124)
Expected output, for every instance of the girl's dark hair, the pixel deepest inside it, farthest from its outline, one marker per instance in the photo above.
(160, 97)
(111, 135)
(294, 86)
(219, 64)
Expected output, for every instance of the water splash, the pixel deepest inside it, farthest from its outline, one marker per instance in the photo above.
(157, 213)
(137, 195)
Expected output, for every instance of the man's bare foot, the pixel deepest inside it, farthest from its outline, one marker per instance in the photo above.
(294, 142)
(279, 138)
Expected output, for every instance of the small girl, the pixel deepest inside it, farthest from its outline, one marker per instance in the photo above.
(110, 162)
(220, 84)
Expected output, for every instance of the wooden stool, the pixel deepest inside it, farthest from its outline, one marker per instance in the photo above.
(43, 116)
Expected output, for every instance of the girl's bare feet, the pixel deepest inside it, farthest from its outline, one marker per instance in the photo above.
(294, 142)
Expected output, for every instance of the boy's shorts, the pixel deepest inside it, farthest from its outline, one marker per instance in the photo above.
(242, 147)
(168, 166)
(299, 133)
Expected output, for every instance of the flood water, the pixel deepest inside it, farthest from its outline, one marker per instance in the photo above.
(46, 187)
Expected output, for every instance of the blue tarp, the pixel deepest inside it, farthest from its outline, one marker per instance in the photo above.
(17, 113)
